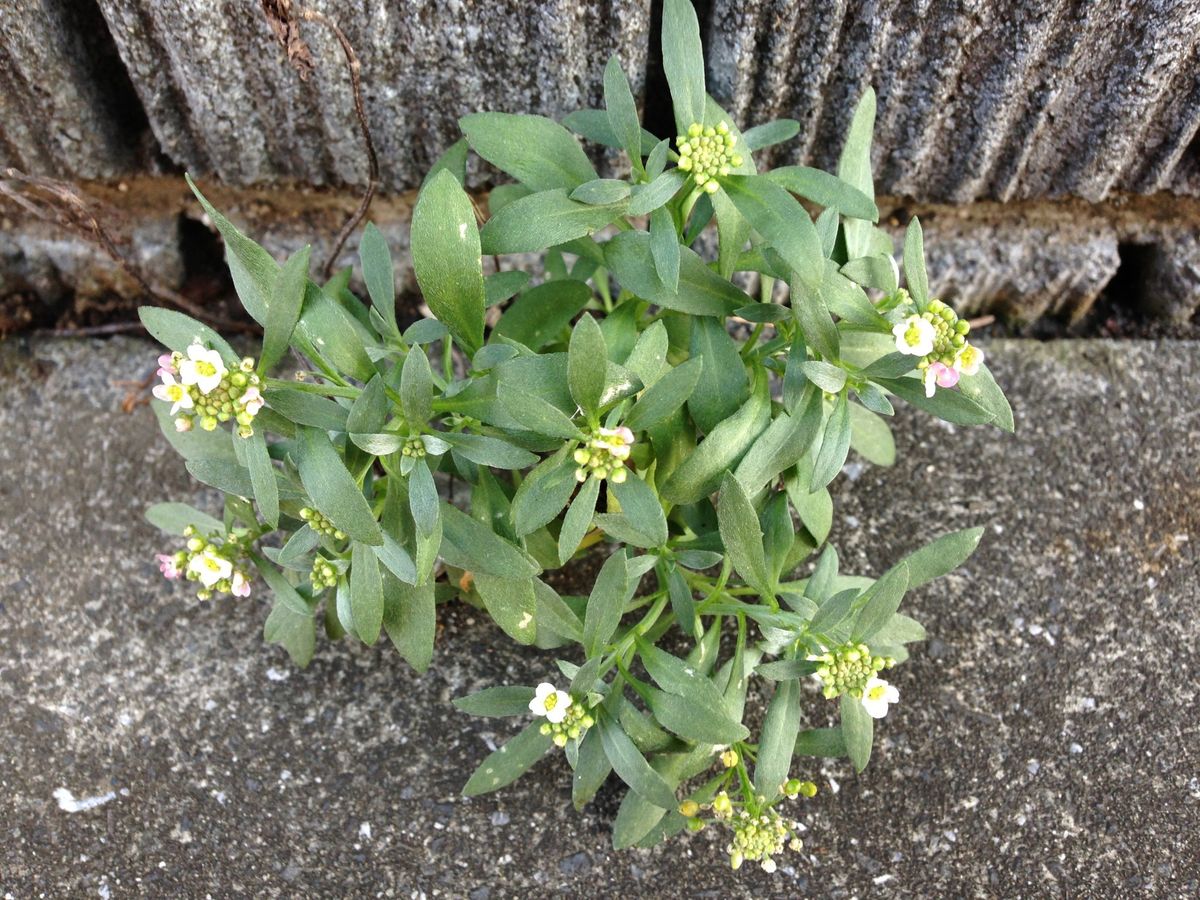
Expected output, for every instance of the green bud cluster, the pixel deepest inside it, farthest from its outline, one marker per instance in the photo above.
(323, 574)
(604, 454)
(321, 525)
(707, 152)
(577, 721)
(760, 838)
(413, 447)
(950, 334)
(848, 668)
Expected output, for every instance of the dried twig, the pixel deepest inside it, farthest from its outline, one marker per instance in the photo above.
(62, 204)
(282, 18)
(91, 330)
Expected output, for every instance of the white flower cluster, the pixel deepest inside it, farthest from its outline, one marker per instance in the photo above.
(604, 455)
(939, 337)
(207, 390)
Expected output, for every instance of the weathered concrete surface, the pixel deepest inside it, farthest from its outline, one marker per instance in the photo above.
(63, 95)
(1028, 98)
(222, 99)
(1045, 744)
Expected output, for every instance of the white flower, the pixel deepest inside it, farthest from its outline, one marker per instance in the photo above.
(203, 368)
(252, 400)
(914, 336)
(877, 695)
(768, 865)
(241, 585)
(968, 359)
(939, 375)
(209, 567)
(172, 392)
(550, 702)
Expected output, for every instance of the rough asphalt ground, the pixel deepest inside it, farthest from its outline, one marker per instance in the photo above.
(1045, 743)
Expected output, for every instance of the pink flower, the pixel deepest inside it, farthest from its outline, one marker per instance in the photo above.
(241, 585)
(166, 565)
(166, 365)
(939, 375)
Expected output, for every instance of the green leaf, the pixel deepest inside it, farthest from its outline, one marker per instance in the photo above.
(447, 259)
(944, 555)
(880, 603)
(602, 191)
(177, 332)
(769, 134)
(721, 387)
(577, 520)
(664, 247)
(815, 508)
(675, 676)
(511, 602)
(333, 489)
(948, 405)
(646, 198)
(835, 444)
(416, 388)
(366, 593)
(877, 271)
(854, 168)
(591, 769)
(826, 376)
(423, 499)
(683, 604)
(781, 446)
(632, 767)
(378, 274)
(783, 223)
(858, 731)
(370, 409)
(469, 544)
(821, 742)
(498, 287)
(294, 631)
(982, 388)
(283, 313)
(537, 151)
(742, 537)
(539, 315)
(622, 111)
(812, 315)
(683, 62)
(648, 357)
(778, 740)
(505, 765)
(640, 505)
(693, 722)
(397, 560)
(702, 292)
(871, 437)
(488, 451)
(833, 612)
(593, 125)
(665, 396)
(786, 669)
(536, 414)
(825, 190)
(262, 478)
(173, 518)
(606, 604)
(701, 472)
(304, 408)
(503, 700)
(542, 220)
(586, 358)
(914, 263)
(410, 620)
(543, 493)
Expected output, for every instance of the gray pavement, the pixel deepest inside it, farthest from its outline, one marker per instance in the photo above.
(1045, 743)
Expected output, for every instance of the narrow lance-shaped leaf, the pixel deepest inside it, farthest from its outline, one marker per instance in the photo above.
(783, 223)
(537, 151)
(447, 259)
(287, 298)
(366, 593)
(507, 764)
(914, 263)
(858, 731)
(333, 489)
(542, 220)
(683, 62)
(416, 388)
(664, 246)
(742, 536)
(606, 604)
(586, 357)
(778, 740)
(622, 111)
(854, 168)
(378, 274)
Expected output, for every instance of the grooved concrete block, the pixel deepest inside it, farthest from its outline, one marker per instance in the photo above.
(222, 98)
(1025, 98)
(61, 104)
(1171, 288)
(1019, 271)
